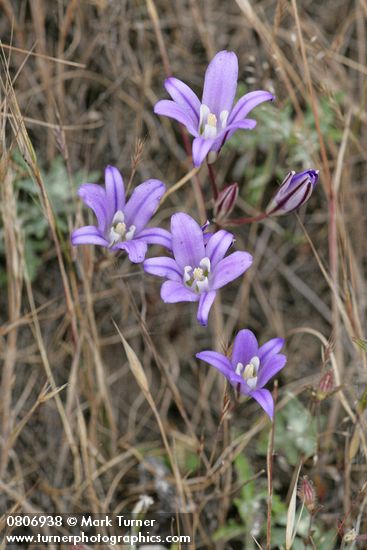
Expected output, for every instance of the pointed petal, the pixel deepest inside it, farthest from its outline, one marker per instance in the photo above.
(218, 245)
(135, 249)
(94, 196)
(217, 360)
(230, 268)
(200, 149)
(156, 235)
(221, 82)
(184, 96)
(205, 303)
(246, 124)
(163, 267)
(248, 102)
(270, 348)
(165, 107)
(245, 347)
(115, 191)
(187, 240)
(173, 292)
(265, 400)
(270, 368)
(89, 234)
(143, 203)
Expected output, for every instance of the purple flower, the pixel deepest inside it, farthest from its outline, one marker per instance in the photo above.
(295, 190)
(199, 267)
(250, 366)
(121, 224)
(213, 120)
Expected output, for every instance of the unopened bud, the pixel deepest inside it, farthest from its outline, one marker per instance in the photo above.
(295, 190)
(326, 385)
(306, 493)
(225, 202)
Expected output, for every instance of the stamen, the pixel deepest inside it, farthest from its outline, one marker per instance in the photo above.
(205, 265)
(197, 278)
(130, 234)
(119, 217)
(250, 371)
(120, 228)
(212, 120)
(239, 369)
(204, 112)
(119, 231)
(223, 118)
(187, 273)
(198, 274)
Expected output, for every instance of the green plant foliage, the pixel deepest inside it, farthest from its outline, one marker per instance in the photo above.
(279, 128)
(295, 433)
(32, 219)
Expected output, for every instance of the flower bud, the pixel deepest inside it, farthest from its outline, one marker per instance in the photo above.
(295, 190)
(306, 493)
(225, 201)
(326, 385)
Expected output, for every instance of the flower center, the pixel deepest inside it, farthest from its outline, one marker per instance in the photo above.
(118, 230)
(249, 371)
(197, 278)
(208, 125)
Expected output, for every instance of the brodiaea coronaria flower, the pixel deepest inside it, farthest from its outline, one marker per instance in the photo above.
(214, 119)
(294, 191)
(199, 267)
(121, 224)
(250, 366)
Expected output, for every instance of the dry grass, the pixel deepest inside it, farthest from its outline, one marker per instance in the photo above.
(100, 391)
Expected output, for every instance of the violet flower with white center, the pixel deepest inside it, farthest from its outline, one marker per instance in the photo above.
(199, 267)
(250, 367)
(121, 224)
(214, 119)
(294, 191)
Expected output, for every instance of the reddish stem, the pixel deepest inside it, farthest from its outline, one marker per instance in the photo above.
(212, 181)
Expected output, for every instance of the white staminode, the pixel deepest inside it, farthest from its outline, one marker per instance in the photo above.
(119, 231)
(197, 278)
(249, 372)
(208, 124)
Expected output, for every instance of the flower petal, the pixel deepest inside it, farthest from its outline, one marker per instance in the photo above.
(270, 348)
(200, 149)
(217, 360)
(171, 109)
(115, 191)
(173, 292)
(163, 267)
(246, 124)
(218, 245)
(248, 102)
(205, 303)
(245, 347)
(187, 240)
(143, 203)
(221, 82)
(156, 235)
(265, 400)
(135, 249)
(89, 234)
(184, 96)
(94, 196)
(270, 368)
(230, 268)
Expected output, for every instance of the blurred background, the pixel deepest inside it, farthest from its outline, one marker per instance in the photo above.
(79, 81)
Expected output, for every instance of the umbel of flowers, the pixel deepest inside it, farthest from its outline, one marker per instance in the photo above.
(198, 263)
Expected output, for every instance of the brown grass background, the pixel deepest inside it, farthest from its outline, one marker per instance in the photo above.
(82, 429)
